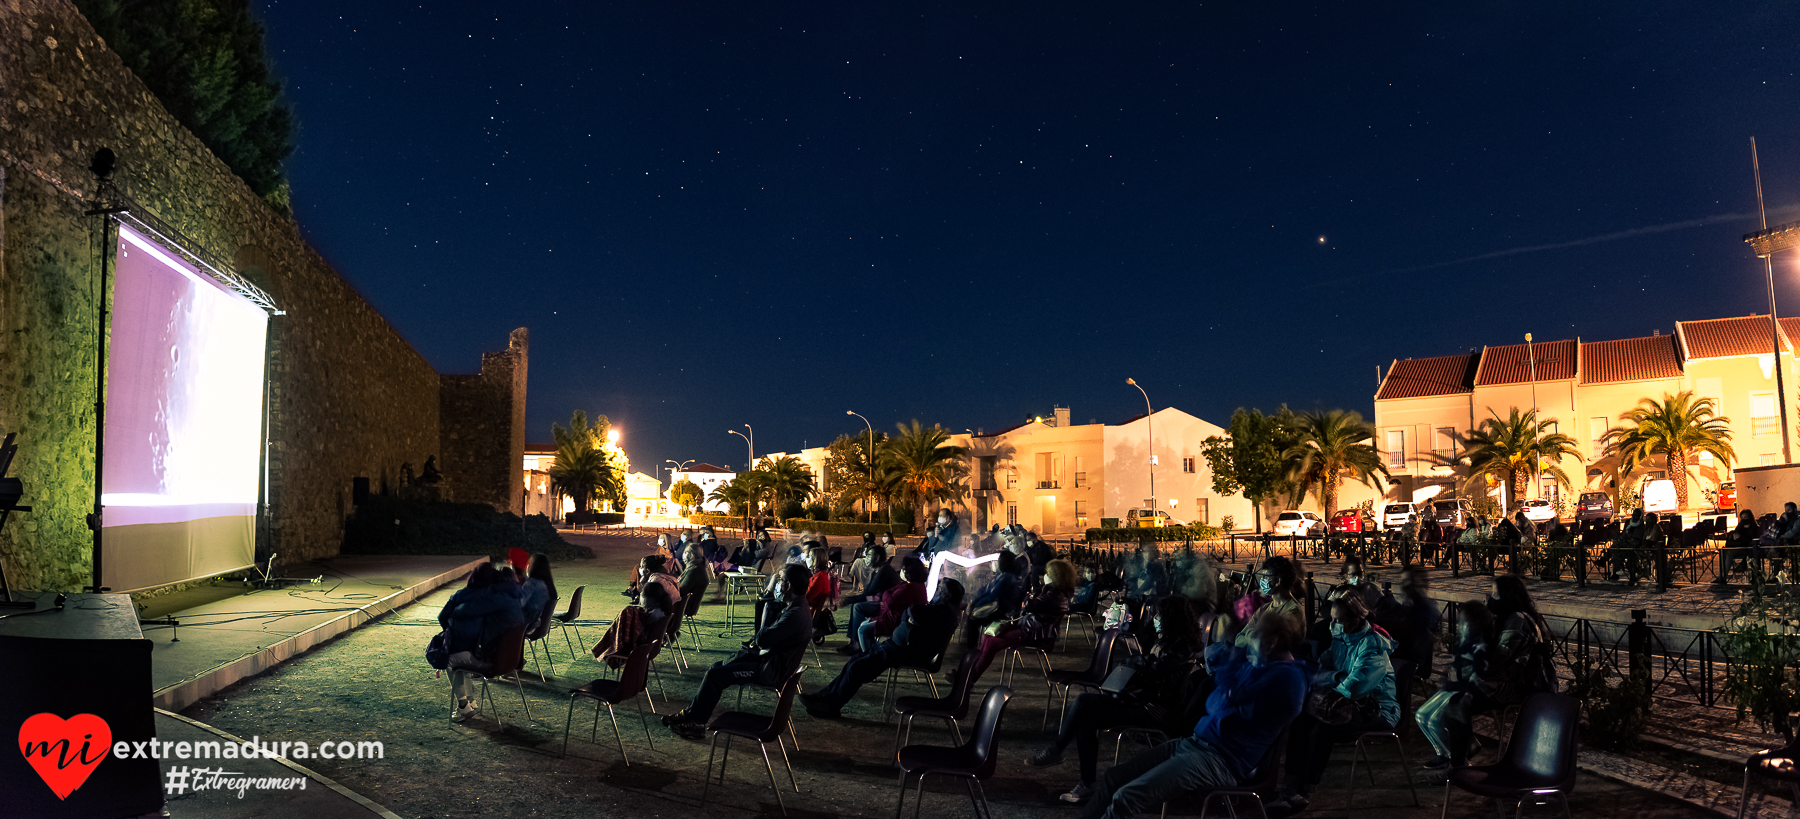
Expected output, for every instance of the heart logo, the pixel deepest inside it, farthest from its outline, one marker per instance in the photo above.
(65, 751)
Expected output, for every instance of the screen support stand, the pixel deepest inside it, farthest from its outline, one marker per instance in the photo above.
(105, 197)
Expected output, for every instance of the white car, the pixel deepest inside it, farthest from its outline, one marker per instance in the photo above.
(1395, 515)
(1539, 511)
(1296, 522)
(1659, 496)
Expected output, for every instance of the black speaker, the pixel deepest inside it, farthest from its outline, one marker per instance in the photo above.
(359, 491)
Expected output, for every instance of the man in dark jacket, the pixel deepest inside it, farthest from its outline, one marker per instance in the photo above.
(766, 660)
(924, 633)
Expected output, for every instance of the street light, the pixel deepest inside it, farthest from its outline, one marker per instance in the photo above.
(751, 439)
(1768, 242)
(1149, 435)
(750, 447)
(679, 465)
(1531, 355)
(871, 458)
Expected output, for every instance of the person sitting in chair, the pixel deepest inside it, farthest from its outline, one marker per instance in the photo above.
(474, 619)
(923, 633)
(767, 659)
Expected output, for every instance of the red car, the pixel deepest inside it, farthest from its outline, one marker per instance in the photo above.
(1352, 521)
(1728, 495)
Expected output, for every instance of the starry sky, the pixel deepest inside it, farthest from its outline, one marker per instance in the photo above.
(717, 214)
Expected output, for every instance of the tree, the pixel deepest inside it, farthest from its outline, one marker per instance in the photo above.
(925, 466)
(1249, 460)
(1331, 446)
(686, 494)
(787, 479)
(1674, 427)
(206, 61)
(847, 469)
(1513, 450)
(735, 494)
(587, 466)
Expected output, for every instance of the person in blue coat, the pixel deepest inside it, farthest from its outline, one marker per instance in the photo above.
(474, 619)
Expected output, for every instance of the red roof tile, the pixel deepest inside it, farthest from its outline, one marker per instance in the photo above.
(1419, 377)
(1629, 359)
(1722, 338)
(1513, 363)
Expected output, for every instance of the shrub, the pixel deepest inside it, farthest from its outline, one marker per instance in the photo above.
(1615, 714)
(792, 509)
(817, 511)
(1198, 531)
(1228, 523)
(903, 515)
(385, 525)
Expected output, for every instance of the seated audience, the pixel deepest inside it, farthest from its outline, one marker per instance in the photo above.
(537, 596)
(999, 600)
(635, 626)
(696, 572)
(1447, 718)
(1040, 619)
(474, 619)
(766, 659)
(1359, 694)
(871, 621)
(1258, 690)
(1167, 692)
(924, 632)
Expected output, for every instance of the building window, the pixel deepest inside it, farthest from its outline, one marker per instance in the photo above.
(1766, 459)
(1081, 520)
(1396, 447)
(1080, 479)
(1012, 480)
(1444, 445)
(1187, 465)
(1763, 420)
(1597, 427)
(987, 471)
(1205, 510)
(1012, 514)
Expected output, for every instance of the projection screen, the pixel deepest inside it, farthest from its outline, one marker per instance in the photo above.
(184, 422)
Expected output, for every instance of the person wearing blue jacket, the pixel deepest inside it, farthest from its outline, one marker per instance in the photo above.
(1355, 668)
(474, 619)
(1259, 690)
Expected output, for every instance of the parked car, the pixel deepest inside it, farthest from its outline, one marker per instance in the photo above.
(1394, 515)
(1146, 519)
(1296, 522)
(1659, 496)
(1453, 512)
(1352, 521)
(1593, 506)
(1728, 496)
(1539, 511)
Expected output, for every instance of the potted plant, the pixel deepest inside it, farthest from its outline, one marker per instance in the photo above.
(1763, 674)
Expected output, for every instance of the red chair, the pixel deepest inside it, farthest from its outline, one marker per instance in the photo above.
(519, 558)
(633, 680)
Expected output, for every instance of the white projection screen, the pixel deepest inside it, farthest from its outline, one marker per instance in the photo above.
(184, 420)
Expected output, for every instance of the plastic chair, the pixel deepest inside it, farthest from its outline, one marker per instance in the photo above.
(973, 760)
(508, 660)
(1151, 736)
(949, 708)
(567, 620)
(690, 605)
(928, 669)
(1009, 665)
(537, 632)
(762, 729)
(1099, 666)
(1263, 781)
(1539, 760)
(1775, 763)
(519, 558)
(634, 679)
(1403, 684)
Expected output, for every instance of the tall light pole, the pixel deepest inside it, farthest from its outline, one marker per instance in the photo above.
(871, 458)
(1531, 356)
(1150, 436)
(752, 440)
(1767, 243)
(748, 447)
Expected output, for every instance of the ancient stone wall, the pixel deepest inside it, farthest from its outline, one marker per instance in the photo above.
(353, 398)
(482, 424)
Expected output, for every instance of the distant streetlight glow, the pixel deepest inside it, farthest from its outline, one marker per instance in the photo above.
(1150, 441)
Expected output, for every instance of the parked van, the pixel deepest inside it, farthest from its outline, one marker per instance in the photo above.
(1659, 496)
(1394, 515)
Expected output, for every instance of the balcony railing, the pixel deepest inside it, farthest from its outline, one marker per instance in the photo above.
(1048, 485)
(1760, 427)
(1080, 479)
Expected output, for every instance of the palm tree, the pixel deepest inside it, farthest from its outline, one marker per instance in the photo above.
(1333, 445)
(925, 467)
(584, 468)
(735, 494)
(1515, 449)
(786, 477)
(1674, 427)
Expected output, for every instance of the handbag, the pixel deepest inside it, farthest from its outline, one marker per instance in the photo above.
(985, 610)
(437, 653)
(1332, 708)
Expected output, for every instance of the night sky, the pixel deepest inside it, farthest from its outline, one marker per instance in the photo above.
(719, 214)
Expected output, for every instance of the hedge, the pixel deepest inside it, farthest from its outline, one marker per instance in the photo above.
(728, 521)
(844, 527)
(592, 518)
(1160, 534)
(383, 525)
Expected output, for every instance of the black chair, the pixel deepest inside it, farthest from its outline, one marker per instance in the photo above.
(1777, 764)
(1403, 687)
(950, 708)
(567, 620)
(634, 679)
(973, 760)
(1263, 782)
(1539, 760)
(928, 669)
(509, 659)
(1099, 665)
(538, 630)
(762, 729)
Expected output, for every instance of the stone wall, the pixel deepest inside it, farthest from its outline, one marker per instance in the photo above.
(482, 426)
(352, 398)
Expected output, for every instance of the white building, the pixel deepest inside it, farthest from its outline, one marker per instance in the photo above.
(708, 478)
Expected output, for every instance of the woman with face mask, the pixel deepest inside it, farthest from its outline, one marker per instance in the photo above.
(1277, 583)
(1352, 575)
(1355, 669)
(943, 536)
(658, 548)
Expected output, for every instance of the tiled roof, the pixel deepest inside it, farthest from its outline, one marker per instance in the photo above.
(1513, 363)
(1419, 377)
(706, 467)
(1722, 338)
(1629, 359)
